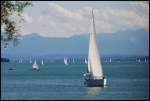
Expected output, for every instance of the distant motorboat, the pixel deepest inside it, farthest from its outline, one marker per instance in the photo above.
(35, 66)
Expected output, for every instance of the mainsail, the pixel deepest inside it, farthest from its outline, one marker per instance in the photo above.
(94, 62)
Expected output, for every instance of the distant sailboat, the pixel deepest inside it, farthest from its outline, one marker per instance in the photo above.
(110, 60)
(35, 66)
(42, 62)
(65, 61)
(145, 60)
(20, 61)
(30, 61)
(73, 60)
(136, 60)
(139, 60)
(85, 61)
(94, 76)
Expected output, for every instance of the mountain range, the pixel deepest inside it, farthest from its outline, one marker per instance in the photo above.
(119, 43)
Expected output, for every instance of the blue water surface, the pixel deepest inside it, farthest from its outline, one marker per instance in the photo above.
(125, 80)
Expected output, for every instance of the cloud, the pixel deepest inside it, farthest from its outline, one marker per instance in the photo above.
(60, 11)
(59, 21)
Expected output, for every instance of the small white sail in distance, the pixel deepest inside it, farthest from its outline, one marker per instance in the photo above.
(136, 60)
(94, 62)
(65, 61)
(30, 61)
(145, 60)
(42, 62)
(85, 61)
(73, 60)
(20, 61)
(110, 60)
(35, 66)
(139, 60)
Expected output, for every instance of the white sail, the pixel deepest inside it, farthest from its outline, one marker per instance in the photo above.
(110, 60)
(85, 61)
(65, 61)
(42, 62)
(73, 60)
(94, 62)
(30, 61)
(145, 60)
(35, 66)
(20, 61)
(139, 60)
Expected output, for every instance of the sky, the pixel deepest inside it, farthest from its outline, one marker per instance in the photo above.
(68, 18)
(124, 23)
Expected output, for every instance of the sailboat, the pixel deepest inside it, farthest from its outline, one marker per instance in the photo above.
(110, 60)
(136, 60)
(73, 60)
(139, 60)
(85, 61)
(35, 66)
(94, 75)
(145, 60)
(30, 61)
(65, 61)
(42, 62)
(20, 61)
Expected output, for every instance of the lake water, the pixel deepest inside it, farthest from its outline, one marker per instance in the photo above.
(125, 80)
